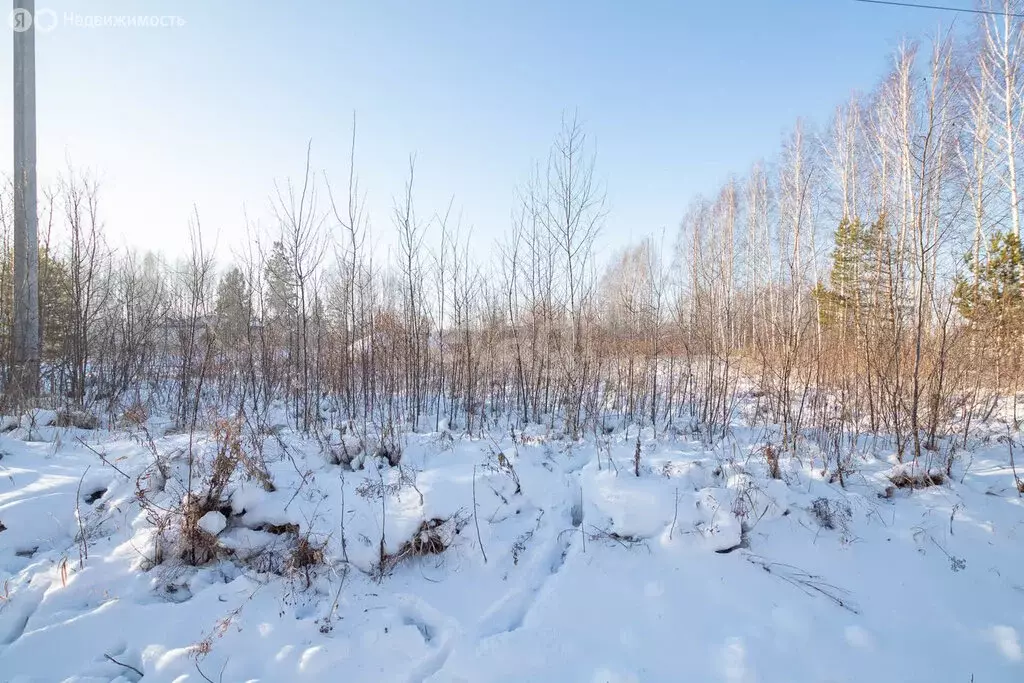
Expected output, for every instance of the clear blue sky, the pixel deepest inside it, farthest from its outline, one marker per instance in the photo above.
(674, 95)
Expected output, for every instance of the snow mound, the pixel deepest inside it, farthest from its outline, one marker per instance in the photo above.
(213, 522)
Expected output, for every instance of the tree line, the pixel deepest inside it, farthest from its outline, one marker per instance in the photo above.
(866, 280)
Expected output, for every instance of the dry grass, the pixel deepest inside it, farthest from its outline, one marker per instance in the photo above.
(831, 514)
(296, 554)
(427, 540)
(771, 457)
(279, 529)
(625, 540)
(230, 455)
(432, 537)
(136, 415)
(533, 439)
(79, 419)
(306, 554)
(917, 481)
(305, 557)
(209, 493)
(195, 546)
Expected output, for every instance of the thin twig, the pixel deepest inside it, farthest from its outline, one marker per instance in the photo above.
(207, 678)
(291, 458)
(806, 582)
(475, 520)
(583, 534)
(127, 666)
(344, 540)
(674, 516)
(104, 459)
(83, 548)
(1018, 483)
(337, 595)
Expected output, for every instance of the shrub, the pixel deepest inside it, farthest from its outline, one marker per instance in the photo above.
(206, 491)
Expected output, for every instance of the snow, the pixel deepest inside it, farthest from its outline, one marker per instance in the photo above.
(38, 418)
(703, 568)
(213, 522)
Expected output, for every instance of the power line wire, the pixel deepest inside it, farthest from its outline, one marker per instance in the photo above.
(965, 10)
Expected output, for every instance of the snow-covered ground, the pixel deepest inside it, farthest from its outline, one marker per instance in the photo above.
(703, 568)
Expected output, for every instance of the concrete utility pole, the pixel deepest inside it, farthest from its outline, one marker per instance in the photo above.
(25, 379)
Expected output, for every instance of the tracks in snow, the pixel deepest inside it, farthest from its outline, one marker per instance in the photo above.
(509, 613)
(435, 628)
(19, 610)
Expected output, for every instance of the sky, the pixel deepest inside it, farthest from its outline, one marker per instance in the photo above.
(674, 97)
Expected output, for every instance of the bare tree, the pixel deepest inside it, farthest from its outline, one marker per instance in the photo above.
(573, 217)
(301, 226)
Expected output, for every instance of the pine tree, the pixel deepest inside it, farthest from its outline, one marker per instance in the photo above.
(852, 272)
(992, 298)
(280, 282)
(55, 316)
(233, 308)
